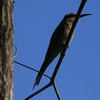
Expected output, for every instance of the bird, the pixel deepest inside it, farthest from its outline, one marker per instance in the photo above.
(57, 42)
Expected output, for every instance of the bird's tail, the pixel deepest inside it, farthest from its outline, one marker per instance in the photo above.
(40, 73)
(39, 76)
(45, 64)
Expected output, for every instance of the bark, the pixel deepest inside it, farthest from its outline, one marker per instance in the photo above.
(6, 50)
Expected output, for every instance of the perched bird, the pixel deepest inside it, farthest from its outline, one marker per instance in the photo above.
(57, 42)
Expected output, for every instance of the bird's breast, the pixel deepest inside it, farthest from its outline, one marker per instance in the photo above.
(67, 29)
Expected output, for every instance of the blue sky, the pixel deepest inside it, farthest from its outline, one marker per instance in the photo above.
(79, 75)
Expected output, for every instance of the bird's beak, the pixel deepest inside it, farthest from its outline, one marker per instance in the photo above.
(83, 15)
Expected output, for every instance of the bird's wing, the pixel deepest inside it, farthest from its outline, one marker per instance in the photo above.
(52, 51)
(55, 38)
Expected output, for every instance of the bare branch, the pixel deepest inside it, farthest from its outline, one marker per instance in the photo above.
(69, 37)
(61, 56)
(56, 91)
(30, 68)
(37, 92)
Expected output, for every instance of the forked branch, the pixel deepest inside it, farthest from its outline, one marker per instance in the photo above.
(60, 59)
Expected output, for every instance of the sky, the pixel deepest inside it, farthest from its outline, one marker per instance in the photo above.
(79, 75)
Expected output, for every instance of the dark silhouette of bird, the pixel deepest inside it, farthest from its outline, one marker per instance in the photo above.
(58, 40)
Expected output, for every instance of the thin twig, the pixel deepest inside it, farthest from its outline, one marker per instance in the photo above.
(68, 39)
(56, 91)
(74, 25)
(30, 68)
(16, 51)
(38, 91)
(56, 68)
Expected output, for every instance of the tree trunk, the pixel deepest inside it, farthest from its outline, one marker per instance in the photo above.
(6, 50)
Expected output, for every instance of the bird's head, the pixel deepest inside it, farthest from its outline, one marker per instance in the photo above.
(71, 16)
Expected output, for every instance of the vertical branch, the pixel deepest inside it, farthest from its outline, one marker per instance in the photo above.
(6, 50)
(56, 91)
(68, 39)
(74, 25)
